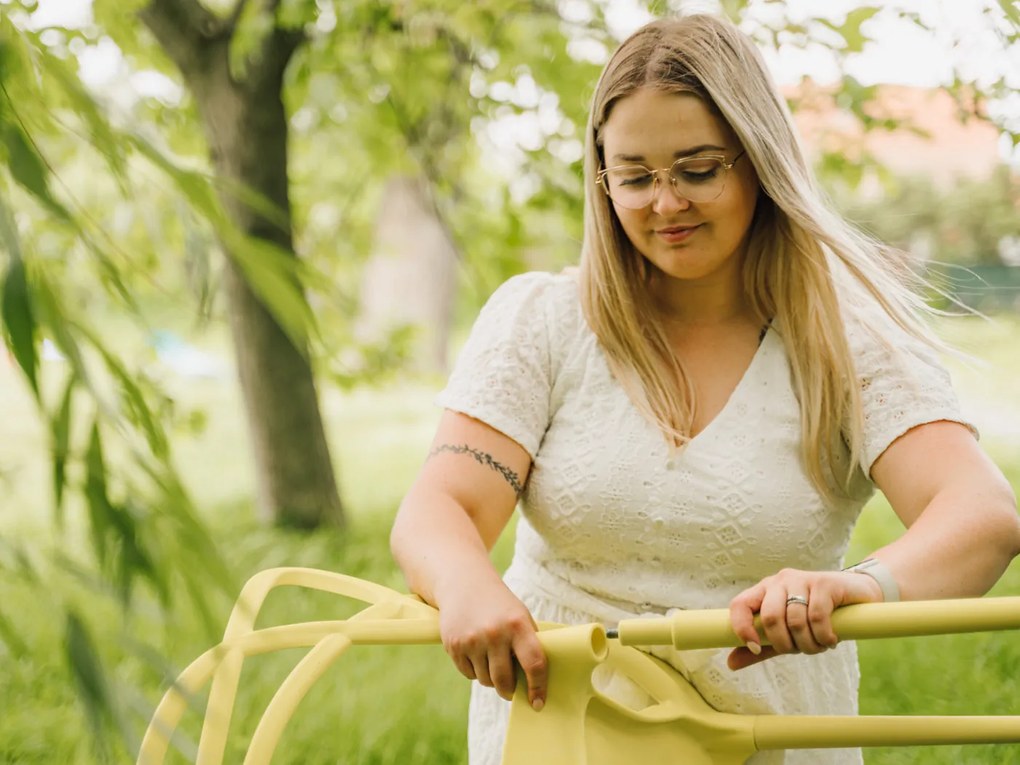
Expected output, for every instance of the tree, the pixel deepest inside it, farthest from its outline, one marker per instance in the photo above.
(963, 225)
(235, 66)
(341, 96)
(245, 124)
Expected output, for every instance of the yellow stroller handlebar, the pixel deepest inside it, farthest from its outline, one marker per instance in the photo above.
(710, 628)
(579, 725)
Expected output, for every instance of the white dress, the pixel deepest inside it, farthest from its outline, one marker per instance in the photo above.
(612, 526)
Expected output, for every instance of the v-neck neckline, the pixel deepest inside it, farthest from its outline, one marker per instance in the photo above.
(767, 339)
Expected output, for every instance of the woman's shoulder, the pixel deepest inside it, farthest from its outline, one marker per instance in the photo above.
(542, 294)
(561, 286)
(872, 328)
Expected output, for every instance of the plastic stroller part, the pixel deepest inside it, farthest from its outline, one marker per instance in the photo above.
(579, 725)
(710, 628)
(391, 619)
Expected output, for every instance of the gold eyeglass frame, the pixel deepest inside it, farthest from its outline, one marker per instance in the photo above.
(600, 177)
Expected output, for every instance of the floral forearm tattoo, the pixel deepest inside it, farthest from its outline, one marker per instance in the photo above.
(486, 459)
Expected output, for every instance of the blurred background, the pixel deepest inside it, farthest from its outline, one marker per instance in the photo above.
(242, 242)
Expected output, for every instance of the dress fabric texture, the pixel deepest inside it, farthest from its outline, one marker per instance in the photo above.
(614, 525)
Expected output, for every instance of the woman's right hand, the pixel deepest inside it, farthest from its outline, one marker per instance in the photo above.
(484, 630)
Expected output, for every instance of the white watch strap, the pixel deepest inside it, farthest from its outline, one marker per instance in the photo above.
(881, 574)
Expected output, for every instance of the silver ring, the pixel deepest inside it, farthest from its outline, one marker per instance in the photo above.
(796, 599)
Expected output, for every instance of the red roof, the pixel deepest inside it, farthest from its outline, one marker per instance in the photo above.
(949, 147)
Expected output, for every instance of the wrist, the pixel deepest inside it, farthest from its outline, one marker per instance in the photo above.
(459, 582)
(880, 573)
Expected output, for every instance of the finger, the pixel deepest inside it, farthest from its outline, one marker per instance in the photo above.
(501, 672)
(820, 619)
(742, 610)
(799, 625)
(465, 667)
(480, 665)
(532, 659)
(741, 658)
(773, 620)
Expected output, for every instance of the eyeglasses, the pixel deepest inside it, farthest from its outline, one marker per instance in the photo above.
(696, 179)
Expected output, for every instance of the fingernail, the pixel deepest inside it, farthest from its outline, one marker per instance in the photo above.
(754, 648)
(537, 705)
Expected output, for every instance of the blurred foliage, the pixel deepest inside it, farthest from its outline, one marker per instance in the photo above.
(108, 206)
(963, 224)
(142, 524)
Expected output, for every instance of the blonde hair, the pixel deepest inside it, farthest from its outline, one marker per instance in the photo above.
(799, 251)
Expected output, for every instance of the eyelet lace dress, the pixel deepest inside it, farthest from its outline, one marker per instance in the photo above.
(614, 526)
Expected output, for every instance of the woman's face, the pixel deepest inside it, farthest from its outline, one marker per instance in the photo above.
(684, 240)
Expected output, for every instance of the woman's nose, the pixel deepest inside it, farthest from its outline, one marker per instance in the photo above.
(666, 200)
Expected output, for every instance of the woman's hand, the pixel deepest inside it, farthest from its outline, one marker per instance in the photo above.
(790, 624)
(484, 631)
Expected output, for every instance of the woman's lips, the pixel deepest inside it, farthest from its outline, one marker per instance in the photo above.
(676, 234)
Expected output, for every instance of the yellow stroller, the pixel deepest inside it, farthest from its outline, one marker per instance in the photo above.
(579, 725)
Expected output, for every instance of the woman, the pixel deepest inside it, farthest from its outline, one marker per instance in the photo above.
(696, 418)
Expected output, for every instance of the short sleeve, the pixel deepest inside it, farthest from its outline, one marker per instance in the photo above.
(504, 373)
(902, 382)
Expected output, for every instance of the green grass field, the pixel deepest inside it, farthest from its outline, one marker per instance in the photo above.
(402, 705)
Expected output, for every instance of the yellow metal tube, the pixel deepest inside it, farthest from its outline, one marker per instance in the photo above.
(816, 732)
(711, 628)
(290, 693)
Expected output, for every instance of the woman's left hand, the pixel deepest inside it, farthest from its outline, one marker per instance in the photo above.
(796, 612)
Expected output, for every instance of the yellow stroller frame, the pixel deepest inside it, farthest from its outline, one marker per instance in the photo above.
(579, 725)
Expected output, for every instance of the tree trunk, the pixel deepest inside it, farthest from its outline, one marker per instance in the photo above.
(412, 274)
(246, 126)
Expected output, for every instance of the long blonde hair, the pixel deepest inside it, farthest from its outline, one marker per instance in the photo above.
(799, 250)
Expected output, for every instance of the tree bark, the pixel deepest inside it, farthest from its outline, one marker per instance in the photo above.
(411, 275)
(246, 127)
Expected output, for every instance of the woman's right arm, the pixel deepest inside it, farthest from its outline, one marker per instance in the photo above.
(453, 514)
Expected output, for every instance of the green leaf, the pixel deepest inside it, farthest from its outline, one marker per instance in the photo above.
(29, 169)
(851, 28)
(136, 405)
(734, 9)
(101, 135)
(19, 321)
(100, 512)
(61, 429)
(115, 530)
(1012, 12)
(195, 186)
(19, 325)
(8, 229)
(295, 14)
(254, 26)
(186, 546)
(272, 273)
(89, 676)
(50, 308)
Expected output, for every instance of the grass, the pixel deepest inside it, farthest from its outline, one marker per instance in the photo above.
(401, 705)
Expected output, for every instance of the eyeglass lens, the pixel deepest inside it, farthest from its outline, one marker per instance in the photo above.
(699, 179)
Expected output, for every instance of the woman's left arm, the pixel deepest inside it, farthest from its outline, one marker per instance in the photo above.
(962, 532)
(958, 508)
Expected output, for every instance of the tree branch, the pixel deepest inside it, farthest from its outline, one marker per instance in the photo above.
(273, 52)
(182, 27)
(286, 41)
(235, 15)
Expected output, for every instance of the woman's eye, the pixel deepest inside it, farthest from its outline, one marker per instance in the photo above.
(697, 172)
(635, 180)
(693, 176)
